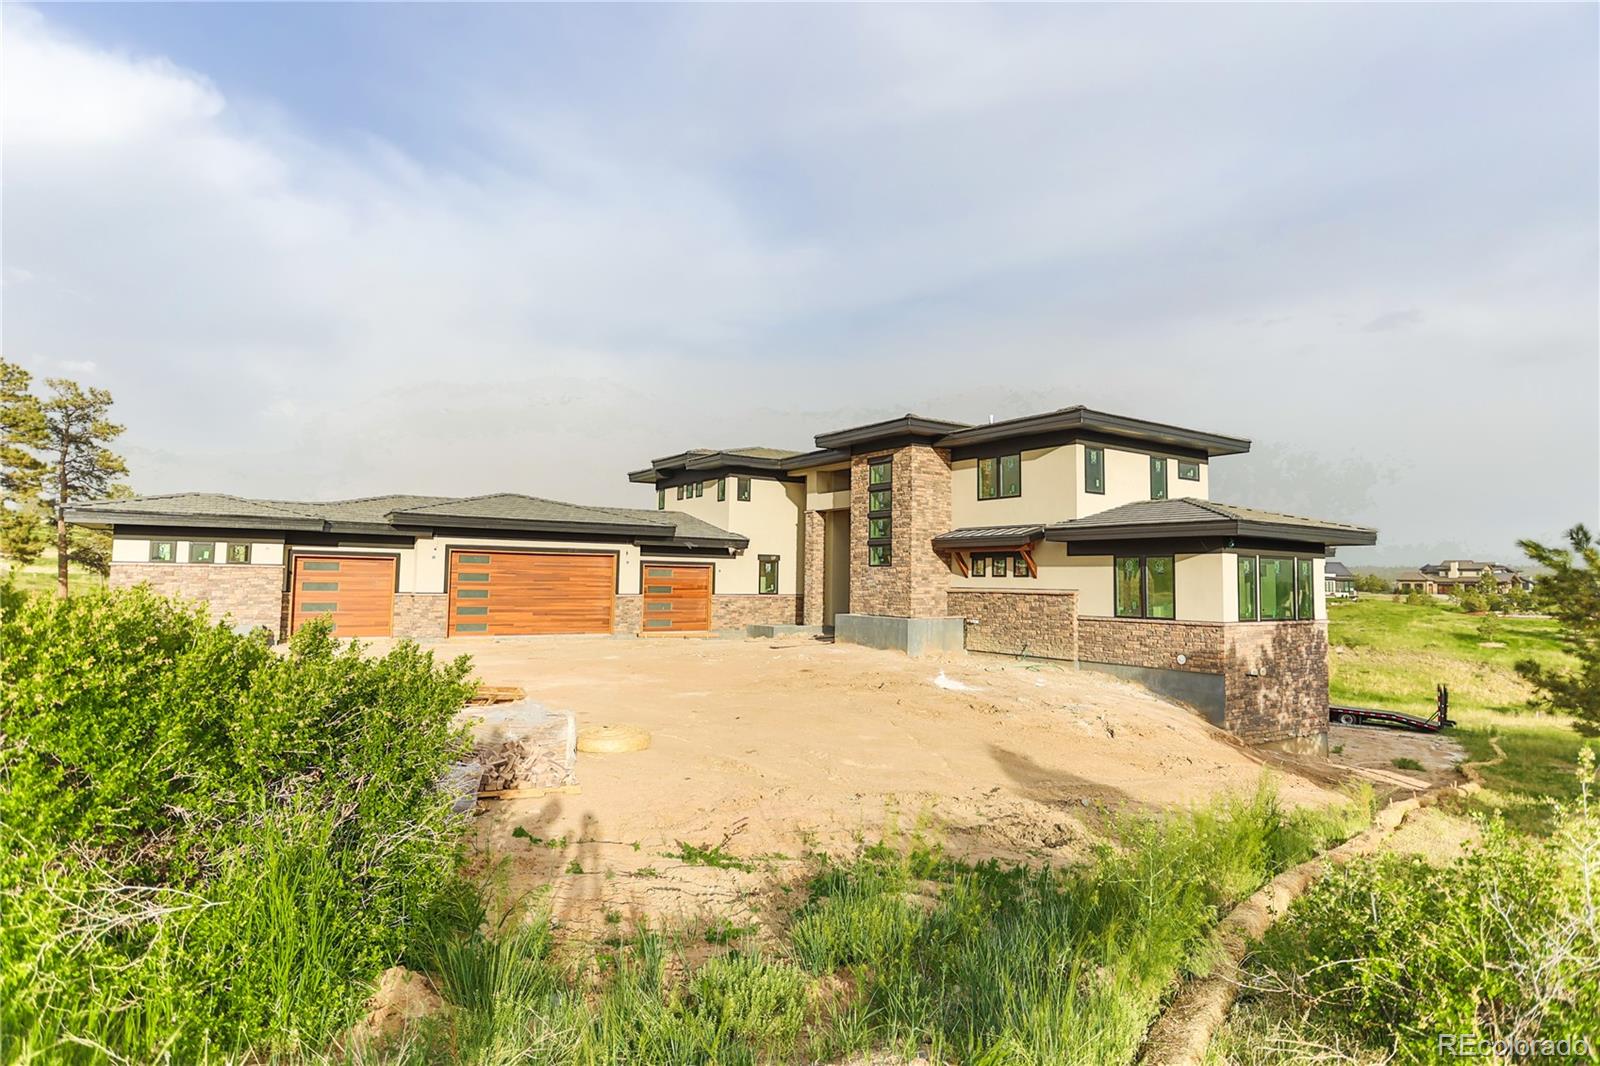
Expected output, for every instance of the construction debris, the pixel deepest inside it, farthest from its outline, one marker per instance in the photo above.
(524, 745)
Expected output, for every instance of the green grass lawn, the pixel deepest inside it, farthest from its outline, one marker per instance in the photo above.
(1390, 655)
(40, 575)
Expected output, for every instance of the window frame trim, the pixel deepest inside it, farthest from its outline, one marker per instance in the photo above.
(1094, 449)
(1191, 464)
(1144, 614)
(761, 563)
(1159, 462)
(742, 490)
(886, 487)
(193, 544)
(999, 477)
(154, 558)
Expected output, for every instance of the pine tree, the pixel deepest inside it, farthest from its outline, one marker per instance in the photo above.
(1571, 593)
(23, 534)
(82, 467)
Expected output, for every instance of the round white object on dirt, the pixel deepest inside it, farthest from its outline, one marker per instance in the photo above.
(612, 738)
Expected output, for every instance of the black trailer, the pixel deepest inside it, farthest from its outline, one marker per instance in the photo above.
(1440, 719)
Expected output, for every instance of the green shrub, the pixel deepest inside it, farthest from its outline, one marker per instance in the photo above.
(759, 1002)
(1502, 944)
(205, 845)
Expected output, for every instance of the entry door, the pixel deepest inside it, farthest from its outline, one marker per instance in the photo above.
(677, 598)
(356, 593)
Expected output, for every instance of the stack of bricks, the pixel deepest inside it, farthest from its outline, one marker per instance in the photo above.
(1041, 623)
(247, 595)
(917, 581)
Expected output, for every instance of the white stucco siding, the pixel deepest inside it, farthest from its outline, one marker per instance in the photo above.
(1128, 479)
(137, 550)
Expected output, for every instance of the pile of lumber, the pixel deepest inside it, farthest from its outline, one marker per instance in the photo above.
(488, 695)
(530, 762)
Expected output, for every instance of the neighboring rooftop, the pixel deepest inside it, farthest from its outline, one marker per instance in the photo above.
(1334, 568)
(1190, 517)
(496, 511)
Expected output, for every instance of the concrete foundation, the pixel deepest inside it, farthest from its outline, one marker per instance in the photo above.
(914, 636)
(781, 631)
(1206, 693)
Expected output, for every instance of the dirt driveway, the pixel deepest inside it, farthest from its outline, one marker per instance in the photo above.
(772, 749)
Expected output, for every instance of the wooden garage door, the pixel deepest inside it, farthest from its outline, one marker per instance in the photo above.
(677, 599)
(358, 594)
(518, 593)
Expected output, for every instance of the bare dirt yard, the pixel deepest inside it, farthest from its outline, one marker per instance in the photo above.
(765, 752)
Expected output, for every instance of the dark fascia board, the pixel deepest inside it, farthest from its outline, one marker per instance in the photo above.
(95, 517)
(617, 530)
(673, 469)
(1025, 537)
(1081, 418)
(647, 476)
(904, 426)
(820, 457)
(729, 545)
(1221, 527)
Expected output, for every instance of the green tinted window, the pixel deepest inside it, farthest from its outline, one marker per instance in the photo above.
(472, 627)
(202, 551)
(1188, 471)
(472, 594)
(1277, 589)
(1247, 588)
(1160, 587)
(1305, 593)
(238, 553)
(744, 489)
(1158, 478)
(658, 623)
(1129, 592)
(877, 528)
(472, 610)
(1010, 476)
(319, 564)
(880, 472)
(319, 586)
(472, 558)
(658, 590)
(661, 499)
(318, 608)
(878, 500)
(1094, 470)
(878, 555)
(659, 571)
(722, 489)
(767, 576)
(472, 577)
(658, 606)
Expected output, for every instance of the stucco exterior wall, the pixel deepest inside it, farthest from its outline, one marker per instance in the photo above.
(1128, 480)
(1048, 491)
(773, 520)
(1199, 582)
(137, 549)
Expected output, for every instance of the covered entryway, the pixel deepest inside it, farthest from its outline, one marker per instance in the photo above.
(511, 593)
(356, 592)
(677, 597)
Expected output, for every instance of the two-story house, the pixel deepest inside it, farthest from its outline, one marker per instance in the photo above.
(1074, 535)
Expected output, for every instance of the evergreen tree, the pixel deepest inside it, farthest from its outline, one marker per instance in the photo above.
(1571, 593)
(23, 533)
(81, 466)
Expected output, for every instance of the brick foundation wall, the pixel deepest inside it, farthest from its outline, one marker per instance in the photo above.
(421, 615)
(628, 616)
(1276, 679)
(248, 595)
(917, 584)
(1042, 623)
(733, 610)
(812, 574)
(1152, 643)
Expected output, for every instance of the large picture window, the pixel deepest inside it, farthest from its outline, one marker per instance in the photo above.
(1158, 478)
(1094, 470)
(1146, 586)
(880, 507)
(1277, 589)
(1000, 477)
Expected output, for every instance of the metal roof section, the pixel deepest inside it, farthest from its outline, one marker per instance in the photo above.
(989, 537)
(1190, 517)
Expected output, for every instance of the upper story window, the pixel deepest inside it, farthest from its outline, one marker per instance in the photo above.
(163, 551)
(880, 505)
(767, 574)
(1145, 586)
(722, 489)
(699, 488)
(1094, 470)
(661, 499)
(202, 551)
(238, 553)
(1000, 477)
(1188, 471)
(1158, 478)
(680, 492)
(744, 490)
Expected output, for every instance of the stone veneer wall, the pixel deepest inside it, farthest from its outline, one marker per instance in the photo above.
(421, 615)
(917, 583)
(732, 610)
(1043, 623)
(1152, 643)
(628, 616)
(247, 594)
(812, 574)
(1276, 678)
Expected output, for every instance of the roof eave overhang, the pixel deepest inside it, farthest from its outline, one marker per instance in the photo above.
(821, 457)
(644, 477)
(1323, 535)
(930, 428)
(730, 544)
(1213, 444)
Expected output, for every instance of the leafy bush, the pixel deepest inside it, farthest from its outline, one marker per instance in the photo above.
(755, 1000)
(205, 845)
(1504, 944)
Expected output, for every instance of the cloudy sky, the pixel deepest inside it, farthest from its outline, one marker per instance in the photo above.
(322, 251)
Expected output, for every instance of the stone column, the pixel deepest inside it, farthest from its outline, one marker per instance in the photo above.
(813, 579)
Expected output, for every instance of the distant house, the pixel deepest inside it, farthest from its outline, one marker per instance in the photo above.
(1452, 575)
(1339, 581)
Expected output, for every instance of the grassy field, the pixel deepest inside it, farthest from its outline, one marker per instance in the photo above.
(1388, 654)
(40, 576)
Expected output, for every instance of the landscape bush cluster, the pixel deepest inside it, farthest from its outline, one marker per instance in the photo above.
(207, 846)
(1503, 944)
